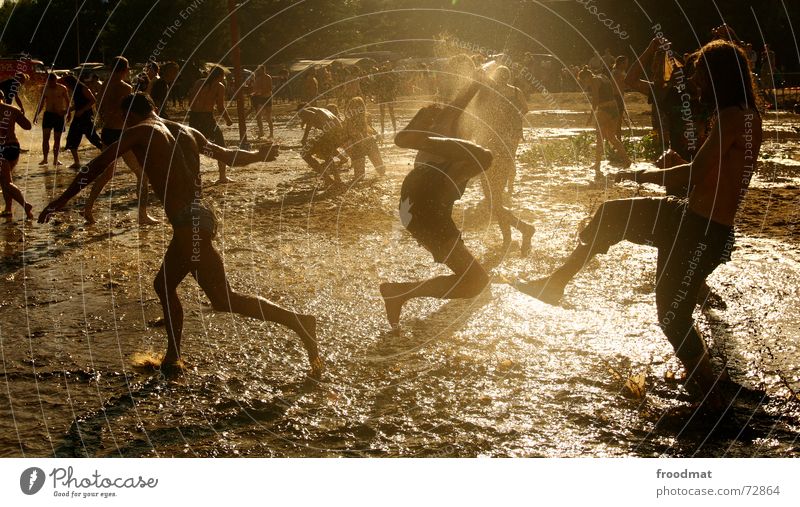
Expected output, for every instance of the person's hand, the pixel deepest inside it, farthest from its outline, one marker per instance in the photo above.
(49, 210)
(625, 175)
(269, 152)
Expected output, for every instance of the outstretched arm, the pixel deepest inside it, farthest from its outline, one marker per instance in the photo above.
(709, 156)
(233, 157)
(90, 172)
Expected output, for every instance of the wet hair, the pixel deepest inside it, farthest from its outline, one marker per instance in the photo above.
(585, 73)
(620, 62)
(153, 66)
(138, 103)
(118, 64)
(214, 72)
(51, 77)
(730, 82)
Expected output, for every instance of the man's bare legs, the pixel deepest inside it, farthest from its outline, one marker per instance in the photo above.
(550, 289)
(209, 271)
(141, 190)
(11, 192)
(45, 145)
(467, 281)
(493, 187)
(56, 147)
(606, 127)
(383, 108)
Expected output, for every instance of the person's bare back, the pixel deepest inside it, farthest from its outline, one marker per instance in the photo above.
(111, 97)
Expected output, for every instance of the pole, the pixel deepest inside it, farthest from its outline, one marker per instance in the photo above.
(237, 72)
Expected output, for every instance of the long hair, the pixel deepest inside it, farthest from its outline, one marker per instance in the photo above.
(730, 81)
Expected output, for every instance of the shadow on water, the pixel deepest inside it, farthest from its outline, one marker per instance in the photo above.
(85, 437)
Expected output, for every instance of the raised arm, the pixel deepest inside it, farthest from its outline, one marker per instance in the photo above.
(633, 79)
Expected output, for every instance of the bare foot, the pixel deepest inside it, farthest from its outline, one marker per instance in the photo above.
(223, 181)
(43, 162)
(88, 215)
(57, 163)
(527, 237)
(393, 303)
(147, 220)
(28, 212)
(543, 289)
(307, 330)
(75, 165)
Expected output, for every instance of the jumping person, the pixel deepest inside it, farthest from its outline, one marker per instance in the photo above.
(170, 154)
(442, 168)
(82, 123)
(113, 119)
(693, 235)
(10, 117)
(55, 100)
(206, 95)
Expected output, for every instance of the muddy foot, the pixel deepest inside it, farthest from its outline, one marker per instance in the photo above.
(29, 212)
(393, 304)
(88, 216)
(43, 162)
(543, 289)
(223, 181)
(527, 237)
(147, 220)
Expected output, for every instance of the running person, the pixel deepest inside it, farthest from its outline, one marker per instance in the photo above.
(206, 95)
(693, 235)
(55, 100)
(10, 117)
(82, 124)
(170, 154)
(502, 111)
(113, 118)
(443, 167)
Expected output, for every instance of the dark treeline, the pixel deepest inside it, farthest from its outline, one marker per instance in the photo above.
(276, 31)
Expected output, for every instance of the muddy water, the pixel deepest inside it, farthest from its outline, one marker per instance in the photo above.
(499, 375)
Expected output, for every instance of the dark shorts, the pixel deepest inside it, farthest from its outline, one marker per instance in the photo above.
(82, 126)
(9, 152)
(326, 146)
(197, 217)
(436, 233)
(53, 121)
(207, 125)
(110, 136)
(259, 101)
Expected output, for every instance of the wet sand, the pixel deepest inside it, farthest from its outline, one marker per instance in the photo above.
(499, 375)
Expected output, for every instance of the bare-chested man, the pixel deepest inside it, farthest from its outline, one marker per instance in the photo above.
(170, 154)
(443, 167)
(206, 95)
(261, 100)
(693, 236)
(113, 119)
(82, 124)
(324, 146)
(10, 117)
(55, 100)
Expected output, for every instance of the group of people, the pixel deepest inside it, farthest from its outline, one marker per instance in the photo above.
(473, 133)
